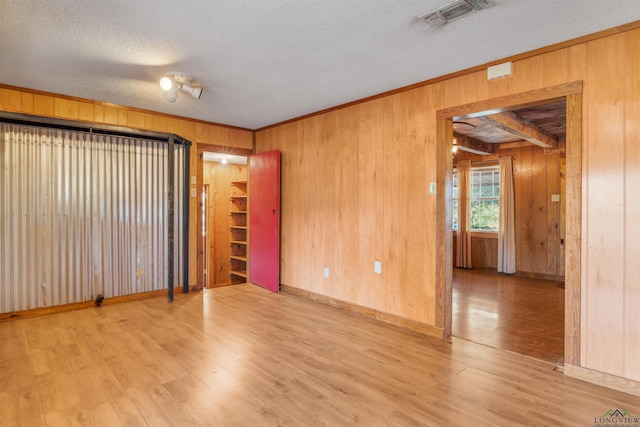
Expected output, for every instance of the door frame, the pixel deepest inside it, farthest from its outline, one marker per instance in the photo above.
(572, 92)
(202, 147)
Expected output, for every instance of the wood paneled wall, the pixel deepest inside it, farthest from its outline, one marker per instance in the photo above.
(355, 188)
(45, 104)
(539, 230)
(353, 184)
(218, 177)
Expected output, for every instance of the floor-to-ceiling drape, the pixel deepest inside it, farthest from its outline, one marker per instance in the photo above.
(463, 242)
(507, 229)
(83, 214)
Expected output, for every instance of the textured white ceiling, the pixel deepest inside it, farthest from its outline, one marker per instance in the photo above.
(264, 61)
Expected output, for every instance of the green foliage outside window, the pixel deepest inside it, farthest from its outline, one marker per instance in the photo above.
(484, 209)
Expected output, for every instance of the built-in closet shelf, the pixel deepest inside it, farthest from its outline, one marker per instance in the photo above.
(239, 231)
(239, 273)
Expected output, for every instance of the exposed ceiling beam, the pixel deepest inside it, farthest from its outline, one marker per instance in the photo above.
(517, 144)
(472, 145)
(512, 123)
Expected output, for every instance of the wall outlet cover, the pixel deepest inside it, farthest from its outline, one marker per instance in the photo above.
(377, 267)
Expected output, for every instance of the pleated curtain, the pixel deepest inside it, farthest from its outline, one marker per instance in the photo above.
(463, 242)
(83, 214)
(507, 231)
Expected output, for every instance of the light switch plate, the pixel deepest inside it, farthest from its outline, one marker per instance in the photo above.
(377, 267)
(432, 188)
(194, 193)
(555, 198)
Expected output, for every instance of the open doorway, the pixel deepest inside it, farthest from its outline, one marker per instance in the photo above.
(521, 312)
(224, 219)
(567, 238)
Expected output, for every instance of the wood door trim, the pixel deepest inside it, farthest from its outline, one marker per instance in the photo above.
(444, 243)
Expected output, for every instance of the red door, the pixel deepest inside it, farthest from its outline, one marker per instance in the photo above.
(264, 220)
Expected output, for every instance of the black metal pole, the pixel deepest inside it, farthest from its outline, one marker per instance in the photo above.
(185, 216)
(170, 214)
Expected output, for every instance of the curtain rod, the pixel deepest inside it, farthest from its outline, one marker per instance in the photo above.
(486, 162)
(95, 128)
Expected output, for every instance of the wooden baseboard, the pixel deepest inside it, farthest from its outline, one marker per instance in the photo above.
(378, 315)
(602, 379)
(540, 276)
(23, 314)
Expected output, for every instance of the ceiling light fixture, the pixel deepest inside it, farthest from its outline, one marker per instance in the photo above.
(448, 13)
(172, 82)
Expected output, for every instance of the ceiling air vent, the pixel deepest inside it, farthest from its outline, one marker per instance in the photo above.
(453, 11)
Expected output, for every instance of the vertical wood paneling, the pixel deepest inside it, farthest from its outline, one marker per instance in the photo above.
(98, 112)
(498, 87)
(525, 207)
(347, 200)
(632, 209)
(66, 108)
(528, 74)
(44, 105)
(123, 117)
(414, 196)
(433, 101)
(10, 100)
(603, 324)
(520, 202)
(552, 235)
(368, 140)
(391, 251)
(363, 200)
(86, 112)
(555, 69)
(26, 105)
(538, 211)
(111, 115)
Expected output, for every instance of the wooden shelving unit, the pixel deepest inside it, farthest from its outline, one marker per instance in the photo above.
(239, 232)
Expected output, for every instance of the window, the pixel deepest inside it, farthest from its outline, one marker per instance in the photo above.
(484, 203)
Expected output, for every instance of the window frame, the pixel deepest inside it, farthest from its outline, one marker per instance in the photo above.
(495, 169)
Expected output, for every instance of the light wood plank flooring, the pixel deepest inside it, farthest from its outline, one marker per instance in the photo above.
(514, 313)
(242, 356)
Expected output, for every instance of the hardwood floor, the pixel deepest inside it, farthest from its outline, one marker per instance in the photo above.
(519, 314)
(242, 356)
